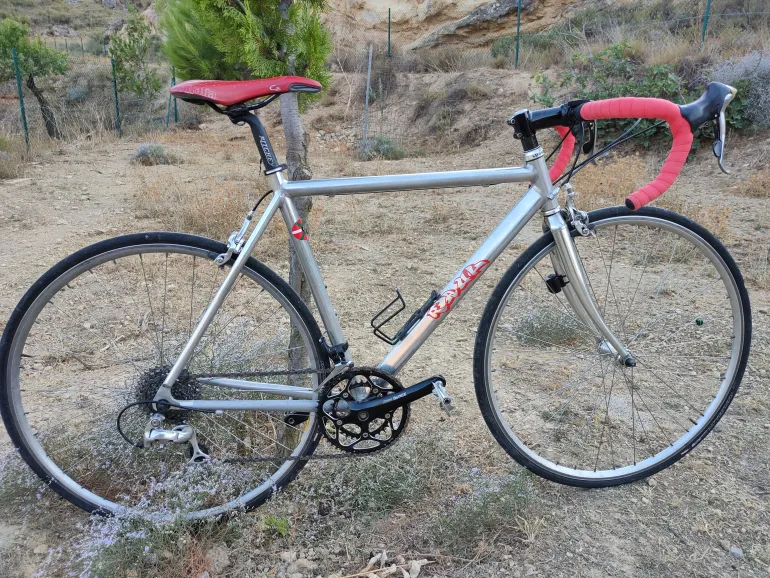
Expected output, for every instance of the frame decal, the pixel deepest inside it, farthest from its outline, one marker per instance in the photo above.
(298, 231)
(461, 283)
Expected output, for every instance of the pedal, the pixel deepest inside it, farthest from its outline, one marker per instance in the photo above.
(444, 400)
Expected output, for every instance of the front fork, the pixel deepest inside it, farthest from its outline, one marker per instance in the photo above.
(567, 263)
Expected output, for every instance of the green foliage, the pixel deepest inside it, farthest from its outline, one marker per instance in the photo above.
(248, 38)
(130, 52)
(278, 525)
(617, 71)
(504, 46)
(35, 59)
(544, 98)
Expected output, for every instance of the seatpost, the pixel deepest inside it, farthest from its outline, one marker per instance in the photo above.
(266, 152)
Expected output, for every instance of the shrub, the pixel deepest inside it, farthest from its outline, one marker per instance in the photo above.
(750, 74)
(131, 53)
(151, 154)
(504, 46)
(381, 147)
(617, 71)
(499, 504)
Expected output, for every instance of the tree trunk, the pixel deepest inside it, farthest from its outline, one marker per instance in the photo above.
(296, 159)
(51, 127)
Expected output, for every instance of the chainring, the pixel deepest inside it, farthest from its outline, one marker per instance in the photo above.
(342, 427)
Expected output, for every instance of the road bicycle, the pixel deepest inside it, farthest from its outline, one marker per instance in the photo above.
(164, 374)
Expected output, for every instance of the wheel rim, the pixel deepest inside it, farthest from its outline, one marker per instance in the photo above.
(148, 341)
(566, 395)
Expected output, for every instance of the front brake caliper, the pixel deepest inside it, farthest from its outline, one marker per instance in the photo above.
(577, 218)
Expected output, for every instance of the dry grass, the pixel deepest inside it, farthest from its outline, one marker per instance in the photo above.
(207, 207)
(614, 179)
(12, 157)
(757, 186)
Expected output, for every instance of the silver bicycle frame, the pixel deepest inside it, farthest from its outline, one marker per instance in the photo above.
(539, 197)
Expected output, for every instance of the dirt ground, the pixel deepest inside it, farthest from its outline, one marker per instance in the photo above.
(682, 522)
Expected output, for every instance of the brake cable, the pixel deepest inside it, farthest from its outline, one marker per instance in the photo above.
(618, 141)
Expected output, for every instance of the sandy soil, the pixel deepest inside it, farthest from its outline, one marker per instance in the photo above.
(682, 523)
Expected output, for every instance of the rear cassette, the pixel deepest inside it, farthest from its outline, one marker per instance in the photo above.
(351, 432)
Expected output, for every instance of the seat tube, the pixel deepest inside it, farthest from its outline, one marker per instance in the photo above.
(313, 275)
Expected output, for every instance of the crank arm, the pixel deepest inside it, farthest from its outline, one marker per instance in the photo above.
(381, 406)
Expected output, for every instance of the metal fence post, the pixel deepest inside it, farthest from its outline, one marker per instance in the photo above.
(366, 98)
(21, 97)
(388, 31)
(518, 33)
(168, 109)
(173, 83)
(115, 92)
(705, 23)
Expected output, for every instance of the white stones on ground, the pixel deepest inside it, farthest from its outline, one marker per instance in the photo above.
(288, 556)
(725, 545)
(40, 549)
(301, 564)
(736, 552)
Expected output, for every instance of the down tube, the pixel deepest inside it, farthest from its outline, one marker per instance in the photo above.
(456, 289)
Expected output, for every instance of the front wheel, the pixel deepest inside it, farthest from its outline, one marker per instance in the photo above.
(552, 392)
(99, 332)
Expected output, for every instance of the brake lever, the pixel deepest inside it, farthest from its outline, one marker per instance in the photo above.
(718, 148)
(720, 130)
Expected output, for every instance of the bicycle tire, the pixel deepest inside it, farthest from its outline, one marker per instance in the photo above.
(503, 433)
(9, 348)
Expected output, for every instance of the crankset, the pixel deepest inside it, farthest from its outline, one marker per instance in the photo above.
(365, 409)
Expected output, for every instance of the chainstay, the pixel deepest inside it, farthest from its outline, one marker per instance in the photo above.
(307, 371)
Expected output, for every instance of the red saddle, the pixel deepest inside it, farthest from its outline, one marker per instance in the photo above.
(230, 92)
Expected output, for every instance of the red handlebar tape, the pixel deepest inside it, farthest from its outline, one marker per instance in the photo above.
(633, 107)
(564, 154)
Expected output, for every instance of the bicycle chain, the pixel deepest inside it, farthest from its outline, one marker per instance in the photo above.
(322, 375)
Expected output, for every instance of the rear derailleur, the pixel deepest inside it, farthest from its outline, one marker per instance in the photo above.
(180, 434)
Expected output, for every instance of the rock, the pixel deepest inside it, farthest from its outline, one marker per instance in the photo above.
(111, 4)
(736, 552)
(297, 575)
(651, 482)
(219, 559)
(301, 564)
(415, 567)
(725, 545)
(205, 574)
(41, 549)
(61, 30)
(288, 556)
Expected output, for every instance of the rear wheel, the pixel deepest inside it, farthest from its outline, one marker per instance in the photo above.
(99, 332)
(550, 389)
